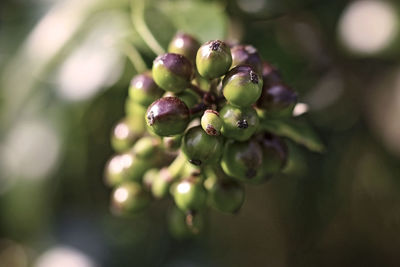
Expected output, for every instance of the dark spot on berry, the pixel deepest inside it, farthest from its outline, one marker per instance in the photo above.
(196, 162)
(210, 130)
(253, 77)
(215, 45)
(242, 124)
(150, 118)
(250, 173)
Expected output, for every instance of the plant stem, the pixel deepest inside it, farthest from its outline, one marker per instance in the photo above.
(138, 8)
(134, 56)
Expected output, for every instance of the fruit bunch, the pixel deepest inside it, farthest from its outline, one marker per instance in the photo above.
(192, 131)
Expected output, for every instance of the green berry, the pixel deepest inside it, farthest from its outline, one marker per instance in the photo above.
(226, 195)
(125, 167)
(182, 225)
(143, 90)
(189, 194)
(200, 147)
(161, 183)
(135, 111)
(125, 133)
(129, 197)
(246, 55)
(148, 178)
(172, 72)
(189, 97)
(242, 86)
(146, 147)
(184, 44)
(168, 116)
(243, 160)
(211, 122)
(239, 123)
(213, 59)
(172, 143)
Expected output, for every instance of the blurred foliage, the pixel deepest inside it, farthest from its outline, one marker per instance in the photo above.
(339, 208)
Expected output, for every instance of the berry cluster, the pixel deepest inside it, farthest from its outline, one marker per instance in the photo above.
(192, 131)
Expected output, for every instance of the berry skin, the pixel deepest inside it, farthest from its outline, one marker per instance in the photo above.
(125, 167)
(277, 100)
(238, 124)
(149, 177)
(275, 153)
(226, 195)
(213, 59)
(146, 147)
(161, 183)
(200, 147)
(172, 72)
(168, 116)
(270, 74)
(189, 194)
(172, 143)
(211, 122)
(183, 226)
(184, 44)
(189, 97)
(143, 90)
(125, 133)
(243, 160)
(246, 55)
(129, 197)
(242, 86)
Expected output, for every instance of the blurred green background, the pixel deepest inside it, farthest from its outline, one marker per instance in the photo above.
(65, 67)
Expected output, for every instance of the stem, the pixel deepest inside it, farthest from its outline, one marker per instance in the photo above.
(134, 56)
(198, 108)
(138, 8)
(197, 90)
(176, 167)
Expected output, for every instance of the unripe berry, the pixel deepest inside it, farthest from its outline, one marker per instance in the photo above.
(226, 195)
(275, 153)
(146, 147)
(242, 86)
(125, 133)
(125, 167)
(246, 55)
(129, 197)
(213, 59)
(239, 123)
(143, 90)
(184, 44)
(168, 116)
(200, 147)
(161, 183)
(189, 194)
(211, 122)
(242, 160)
(172, 72)
(182, 225)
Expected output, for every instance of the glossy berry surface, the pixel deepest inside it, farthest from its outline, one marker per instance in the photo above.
(243, 160)
(242, 86)
(211, 122)
(226, 196)
(168, 116)
(213, 59)
(199, 147)
(143, 90)
(189, 195)
(129, 197)
(125, 133)
(172, 72)
(247, 55)
(238, 123)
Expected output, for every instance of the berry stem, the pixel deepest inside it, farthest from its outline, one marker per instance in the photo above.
(197, 90)
(198, 108)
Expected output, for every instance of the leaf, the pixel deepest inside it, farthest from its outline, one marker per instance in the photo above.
(204, 20)
(296, 130)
